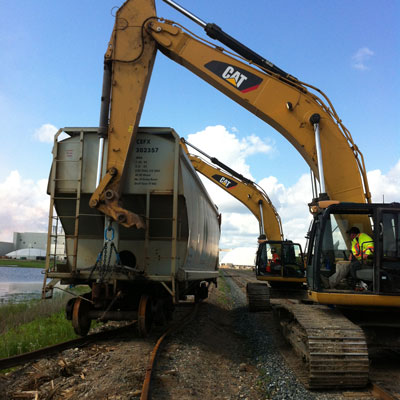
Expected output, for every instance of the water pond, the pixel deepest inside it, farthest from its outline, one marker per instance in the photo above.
(20, 284)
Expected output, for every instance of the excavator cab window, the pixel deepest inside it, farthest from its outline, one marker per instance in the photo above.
(390, 233)
(278, 258)
(376, 269)
(331, 267)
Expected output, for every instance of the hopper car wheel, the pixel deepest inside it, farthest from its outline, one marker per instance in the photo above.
(145, 315)
(201, 292)
(69, 308)
(80, 317)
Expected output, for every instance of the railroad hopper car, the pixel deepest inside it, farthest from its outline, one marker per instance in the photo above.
(133, 273)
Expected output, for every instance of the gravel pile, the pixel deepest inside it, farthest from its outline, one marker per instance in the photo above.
(277, 380)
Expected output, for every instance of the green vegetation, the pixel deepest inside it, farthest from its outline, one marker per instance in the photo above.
(41, 332)
(23, 263)
(30, 326)
(263, 383)
(15, 314)
(224, 290)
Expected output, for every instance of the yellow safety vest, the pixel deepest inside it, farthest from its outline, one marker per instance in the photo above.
(362, 244)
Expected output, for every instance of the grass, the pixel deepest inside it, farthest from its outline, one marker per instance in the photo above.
(30, 326)
(224, 290)
(43, 331)
(23, 263)
(263, 383)
(15, 314)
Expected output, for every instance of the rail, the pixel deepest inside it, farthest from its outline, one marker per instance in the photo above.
(57, 348)
(174, 327)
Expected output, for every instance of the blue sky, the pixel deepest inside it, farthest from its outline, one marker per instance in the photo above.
(51, 72)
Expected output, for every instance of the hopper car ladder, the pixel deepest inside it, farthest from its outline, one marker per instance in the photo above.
(174, 222)
(52, 235)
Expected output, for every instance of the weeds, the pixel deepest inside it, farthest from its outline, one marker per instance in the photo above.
(23, 263)
(36, 334)
(224, 290)
(15, 314)
(30, 326)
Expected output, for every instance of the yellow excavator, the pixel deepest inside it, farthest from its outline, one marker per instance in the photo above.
(279, 262)
(331, 339)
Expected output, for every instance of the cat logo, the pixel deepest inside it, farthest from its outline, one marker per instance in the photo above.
(239, 78)
(235, 78)
(223, 181)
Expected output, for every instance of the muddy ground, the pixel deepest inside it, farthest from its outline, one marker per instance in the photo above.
(211, 358)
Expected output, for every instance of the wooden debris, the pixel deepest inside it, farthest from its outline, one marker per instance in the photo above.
(29, 394)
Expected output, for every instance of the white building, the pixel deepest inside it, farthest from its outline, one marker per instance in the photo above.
(28, 254)
(32, 245)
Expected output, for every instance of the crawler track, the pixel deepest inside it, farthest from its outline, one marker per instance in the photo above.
(335, 349)
(258, 297)
(321, 355)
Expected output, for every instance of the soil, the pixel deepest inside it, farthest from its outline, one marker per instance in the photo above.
(205, 360)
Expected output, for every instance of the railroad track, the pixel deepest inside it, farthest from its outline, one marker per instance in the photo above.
(374, 390)
(172, 329)
(49, 351)
(19, 359)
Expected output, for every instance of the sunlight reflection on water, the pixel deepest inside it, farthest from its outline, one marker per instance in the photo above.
(20, 284)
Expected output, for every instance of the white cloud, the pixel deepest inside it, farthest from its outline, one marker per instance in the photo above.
(45, 133)
(292, 205)
(385, 187)
(231, 150)
(239, 227)
(360, 58)
(24, 206)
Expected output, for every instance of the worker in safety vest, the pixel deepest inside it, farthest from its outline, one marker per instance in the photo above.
(275, 256)
(362, 246)
(274, 262)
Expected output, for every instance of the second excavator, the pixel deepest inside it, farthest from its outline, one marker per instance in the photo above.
(279, 262)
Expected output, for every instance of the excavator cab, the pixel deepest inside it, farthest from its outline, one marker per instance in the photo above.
(280, 261)
(376, 275)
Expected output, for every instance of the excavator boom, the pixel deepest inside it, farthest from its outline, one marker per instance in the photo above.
(284, 104)
(262, 88)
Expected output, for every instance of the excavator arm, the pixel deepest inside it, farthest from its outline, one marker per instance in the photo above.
(243, 189)
(128, 63)
(277, 98)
